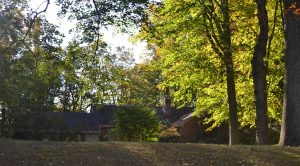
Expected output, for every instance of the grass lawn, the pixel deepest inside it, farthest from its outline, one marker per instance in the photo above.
(17, 153)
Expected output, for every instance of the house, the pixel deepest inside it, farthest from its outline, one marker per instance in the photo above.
(82, 126)
(188, 128)
(89, 126)
(97, 124)
(174, 116)
(60, 126)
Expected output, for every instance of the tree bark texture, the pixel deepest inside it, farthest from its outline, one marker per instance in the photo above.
(231, 90)
(3, 122)
(221, 44)
(259, 75)
(290, 128)
(167, 104)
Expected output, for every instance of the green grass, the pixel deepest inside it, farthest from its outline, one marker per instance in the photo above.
(31, 153)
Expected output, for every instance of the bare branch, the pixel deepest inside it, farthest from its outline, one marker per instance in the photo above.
(253, 30)
(23, 42)
(36, 14)
(98, 26)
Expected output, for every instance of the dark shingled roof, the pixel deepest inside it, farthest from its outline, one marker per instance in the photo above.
(181, 121)
(104, 116)
(81, 120)
(176, 113)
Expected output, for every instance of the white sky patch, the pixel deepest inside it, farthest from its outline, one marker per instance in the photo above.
(111, 36)
(115, 39)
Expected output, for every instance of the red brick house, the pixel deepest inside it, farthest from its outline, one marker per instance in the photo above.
(188, 128)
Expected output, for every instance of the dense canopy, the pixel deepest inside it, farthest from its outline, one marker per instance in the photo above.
(225, 58)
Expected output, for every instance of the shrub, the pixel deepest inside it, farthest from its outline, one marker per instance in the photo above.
(38, 126)
(136, 123)
(29, 125)
(169, 135)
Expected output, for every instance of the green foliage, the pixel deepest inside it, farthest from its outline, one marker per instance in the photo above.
(139, 85)
(190, 67)
(136, 123)
(37, 74)
(93, 15)
(28, 73)
(193, 71)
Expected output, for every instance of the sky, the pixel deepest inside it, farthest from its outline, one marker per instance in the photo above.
(111, 36)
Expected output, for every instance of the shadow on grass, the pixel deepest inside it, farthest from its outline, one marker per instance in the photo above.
(15, 153)
(201, 154)
(274, 155)
(123, 153)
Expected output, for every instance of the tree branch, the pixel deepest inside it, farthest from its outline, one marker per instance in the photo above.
(212, 14)
(212, 34)
(214, 46)
(273, 29)
(36, 14)
(255, 33)
(98, 26)
(282, 14)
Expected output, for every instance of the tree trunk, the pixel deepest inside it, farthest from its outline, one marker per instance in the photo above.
(167, 104)
(231, 92)
(290, 128)
(3, 123)
(259, 75)
(233, 120)
(222, 46)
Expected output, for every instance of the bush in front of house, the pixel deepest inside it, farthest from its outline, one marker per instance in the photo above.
(29, 125)
(136, 123)
(169, 135)
(38, 126)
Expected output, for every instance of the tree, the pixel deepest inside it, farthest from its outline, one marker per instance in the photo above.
(138, 85)
(11, 29)
(199, 49)
(290, 127)
(94, 14)
(29, 62)
(212, 17)
(218, 33)
(259, 74)
(136, 123)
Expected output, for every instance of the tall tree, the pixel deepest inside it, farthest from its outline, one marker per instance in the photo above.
(231, 90)
(259, 74)
(290, 128)
(28, 72)
(174, 39)
(222, 46)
